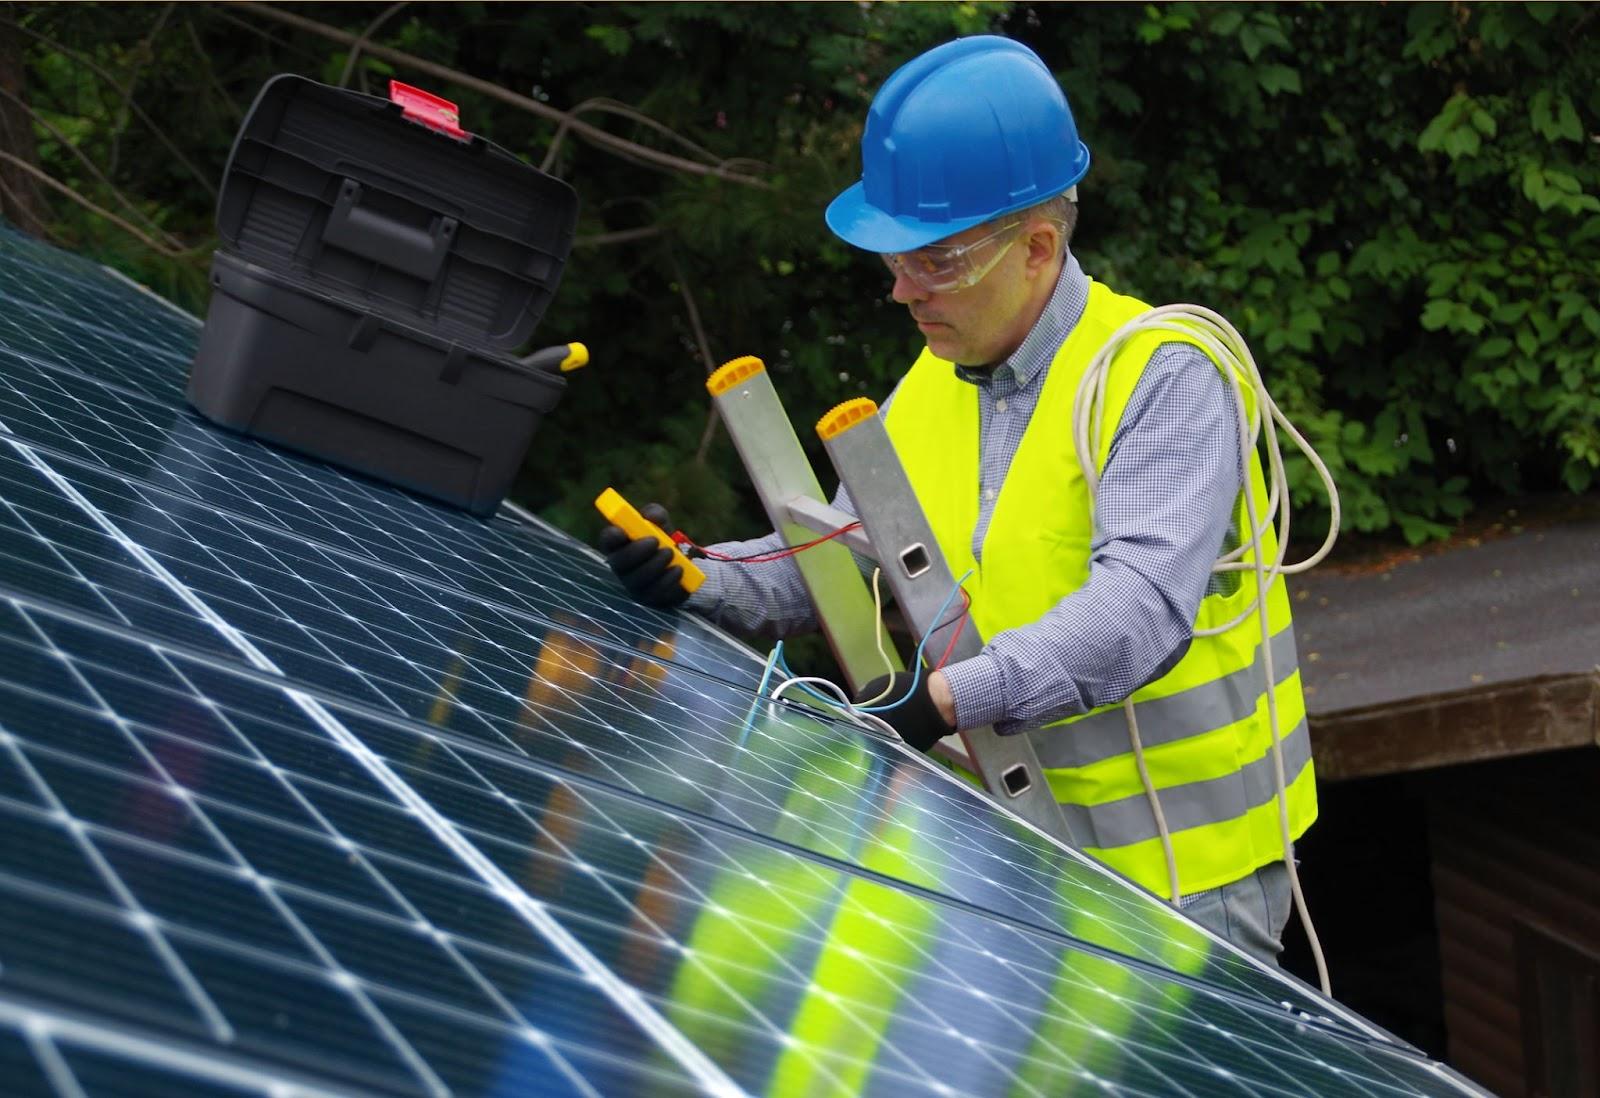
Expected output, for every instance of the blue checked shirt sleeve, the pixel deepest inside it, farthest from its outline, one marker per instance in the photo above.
(760, 600)
(1162, 509)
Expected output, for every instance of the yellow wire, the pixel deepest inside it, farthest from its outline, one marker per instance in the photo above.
(877, 635)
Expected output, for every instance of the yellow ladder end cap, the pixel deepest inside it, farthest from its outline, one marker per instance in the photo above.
(732, 374)
(841, 417)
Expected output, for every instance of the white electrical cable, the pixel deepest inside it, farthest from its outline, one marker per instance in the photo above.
(1225, 346)
(1173, 888)
(863, 712)
(869, 720)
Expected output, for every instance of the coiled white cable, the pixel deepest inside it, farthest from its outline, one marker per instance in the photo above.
(1225, 346)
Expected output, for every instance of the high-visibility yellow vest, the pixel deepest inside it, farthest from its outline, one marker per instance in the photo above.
(1204, 724)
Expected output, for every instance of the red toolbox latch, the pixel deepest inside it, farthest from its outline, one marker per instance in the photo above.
(431, 110)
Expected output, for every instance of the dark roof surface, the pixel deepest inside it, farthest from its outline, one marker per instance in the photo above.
(1511, 604)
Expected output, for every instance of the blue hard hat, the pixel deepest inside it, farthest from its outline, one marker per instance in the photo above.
(970, 130)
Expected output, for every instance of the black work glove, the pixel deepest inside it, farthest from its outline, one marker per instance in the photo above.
(918, 720)
(644, 565)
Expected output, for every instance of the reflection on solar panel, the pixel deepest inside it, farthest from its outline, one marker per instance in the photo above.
(307, 786)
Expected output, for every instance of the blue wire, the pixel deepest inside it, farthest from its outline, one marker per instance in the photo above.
(772, 661)
(761, 692)
(916, 657)
(916, 660)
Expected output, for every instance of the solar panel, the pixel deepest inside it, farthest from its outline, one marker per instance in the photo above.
(309, 786)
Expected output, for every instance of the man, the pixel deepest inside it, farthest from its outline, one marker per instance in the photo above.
(1084, 598)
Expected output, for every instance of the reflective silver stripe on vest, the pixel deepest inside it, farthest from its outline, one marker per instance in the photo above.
(1129, 820)
(1190, 712)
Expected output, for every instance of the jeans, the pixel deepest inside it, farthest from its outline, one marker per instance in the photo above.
(1250, 912)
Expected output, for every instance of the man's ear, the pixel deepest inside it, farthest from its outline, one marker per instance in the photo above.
(1043, 243)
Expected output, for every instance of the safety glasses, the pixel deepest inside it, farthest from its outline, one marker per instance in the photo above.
(947, 268)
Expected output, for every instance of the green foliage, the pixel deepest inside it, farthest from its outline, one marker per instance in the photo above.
(1404, 230)
(1398, 205)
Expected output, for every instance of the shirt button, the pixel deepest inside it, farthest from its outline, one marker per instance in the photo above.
(988, 494)
(1000, 405)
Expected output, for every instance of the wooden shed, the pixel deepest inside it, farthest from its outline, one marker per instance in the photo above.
(1455, 715)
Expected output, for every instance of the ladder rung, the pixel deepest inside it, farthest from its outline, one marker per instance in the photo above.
(821, 518)
(920, 579)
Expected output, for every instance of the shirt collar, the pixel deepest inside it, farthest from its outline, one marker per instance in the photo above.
(1061, 314)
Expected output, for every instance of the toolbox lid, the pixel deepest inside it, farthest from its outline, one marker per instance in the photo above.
(392, 205)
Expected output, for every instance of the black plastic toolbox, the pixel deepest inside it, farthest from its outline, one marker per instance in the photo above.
(378, 266)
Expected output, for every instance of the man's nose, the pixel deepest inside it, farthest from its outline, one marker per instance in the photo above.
(907, 292)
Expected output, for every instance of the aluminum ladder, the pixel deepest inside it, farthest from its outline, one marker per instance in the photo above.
(893, 532)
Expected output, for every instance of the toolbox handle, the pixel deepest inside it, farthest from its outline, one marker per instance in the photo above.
(371, 235)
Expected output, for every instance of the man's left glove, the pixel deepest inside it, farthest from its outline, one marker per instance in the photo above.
(643, 565)
(917, 719)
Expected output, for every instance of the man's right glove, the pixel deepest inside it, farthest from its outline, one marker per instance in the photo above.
(917, 718)
(643, 565)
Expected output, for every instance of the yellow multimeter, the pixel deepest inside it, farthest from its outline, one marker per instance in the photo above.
(620, 512)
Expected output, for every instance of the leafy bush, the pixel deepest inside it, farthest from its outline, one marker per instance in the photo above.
(1396, 205)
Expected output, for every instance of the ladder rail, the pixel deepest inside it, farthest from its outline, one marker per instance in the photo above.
(865, 459)
(787, 486)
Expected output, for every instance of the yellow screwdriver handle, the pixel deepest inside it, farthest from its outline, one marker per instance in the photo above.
(619, 512)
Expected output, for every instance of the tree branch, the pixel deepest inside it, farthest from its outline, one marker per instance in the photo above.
(611, 106)
(694, 316)
(621, 236)
(360, 43)
(709, 433)
(17, 203)
(140, 58)
(127, 227)
(312, 58)
(494, 91)
(66, 143)
(160, 134)
(211, 73)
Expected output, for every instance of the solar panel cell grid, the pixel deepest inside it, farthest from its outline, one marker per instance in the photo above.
(306, 783)
(221, 894)
(100, 1073)
(92, 350)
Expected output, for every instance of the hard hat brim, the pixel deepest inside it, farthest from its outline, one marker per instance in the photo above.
(856, 221)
